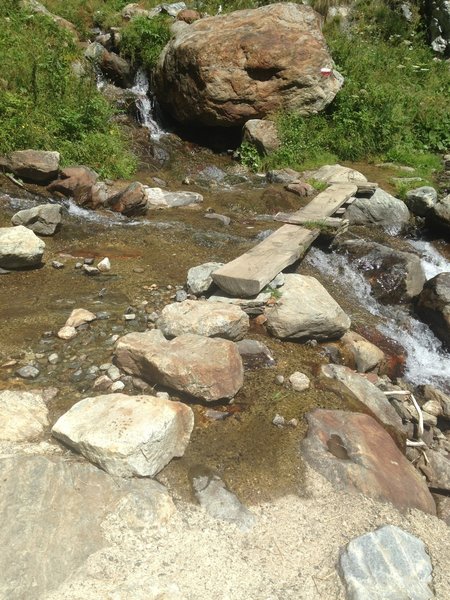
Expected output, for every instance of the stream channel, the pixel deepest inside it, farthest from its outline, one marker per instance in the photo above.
(150, 258)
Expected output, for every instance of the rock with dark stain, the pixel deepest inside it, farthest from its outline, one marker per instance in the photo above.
(357, 455)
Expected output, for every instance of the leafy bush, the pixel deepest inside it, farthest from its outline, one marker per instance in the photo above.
(143, 39)
(43, 105)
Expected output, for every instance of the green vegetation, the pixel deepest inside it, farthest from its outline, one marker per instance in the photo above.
(45, 106)
(143, 39)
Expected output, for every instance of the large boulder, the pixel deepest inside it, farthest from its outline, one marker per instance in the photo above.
(357, 455)
(43, 220)
(37, 166)
(368, 399)
(127, 435)
(439, 25)
(211, 319)
(433, 306)
(52, 510)
(20, 248)
(225, 70)
(306, 310)
(23, 416)
(381, 209)
(208, 369)
(394, 276)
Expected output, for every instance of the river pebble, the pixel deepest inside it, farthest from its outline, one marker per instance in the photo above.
(53, 358)
(28, 372)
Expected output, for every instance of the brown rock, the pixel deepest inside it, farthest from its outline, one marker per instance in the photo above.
(300, 188)
(76, 182)
(353, 452)
(37, 166)
(369, 399)
(433, 306)
(131, 201)
(262, 134)
(116, 68)
(79, 316)
(188, 16)
(225, 70)
(366, 355)
(208, 369)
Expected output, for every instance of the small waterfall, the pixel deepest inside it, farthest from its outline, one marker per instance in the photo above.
(433, 262)
(427, 361)
(149, 113)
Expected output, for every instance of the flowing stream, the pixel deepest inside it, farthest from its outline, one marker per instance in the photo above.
(427, 361)
(149, 113)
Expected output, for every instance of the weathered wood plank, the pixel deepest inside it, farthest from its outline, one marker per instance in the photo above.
(327, 202)
(248, 274)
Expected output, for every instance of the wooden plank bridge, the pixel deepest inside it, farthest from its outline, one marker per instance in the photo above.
(248, 274)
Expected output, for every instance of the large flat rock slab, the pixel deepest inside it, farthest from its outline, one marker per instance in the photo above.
(205, 368)
(23, 416)
(306, 310)
(210, 319)
(386, 564)
(127, 435)
(51, 512)
(357, 455)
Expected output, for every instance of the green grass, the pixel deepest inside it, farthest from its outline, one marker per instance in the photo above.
(143, 40)
(44, 106)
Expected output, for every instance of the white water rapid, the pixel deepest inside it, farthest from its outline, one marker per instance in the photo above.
(149, 113)
(427, 361)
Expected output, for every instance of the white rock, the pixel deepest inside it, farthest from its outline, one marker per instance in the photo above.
(159, 198)
(117, 386)
(211, 319)
(337, 174)
(113, 373)
(80, 316)
(306, 310)
(199, 278)
(20, 247)
(104, 265)
(127, 435)
(23, 416)
(67, 333)
(299, 381)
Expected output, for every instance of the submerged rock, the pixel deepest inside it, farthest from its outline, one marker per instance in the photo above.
(127, 435)
(388, 563)
(43, 220)
(306, 310)
(23, 416)
(208, 369)
(159, 198)
(357, 455)
(210, 319)
(225, 70)
(433, 306)
(20, 248)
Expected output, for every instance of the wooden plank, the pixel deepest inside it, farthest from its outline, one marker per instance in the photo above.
(295, 219)
(248, 274)
(327, 202)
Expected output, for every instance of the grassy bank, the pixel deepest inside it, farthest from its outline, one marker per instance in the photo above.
(44, 105)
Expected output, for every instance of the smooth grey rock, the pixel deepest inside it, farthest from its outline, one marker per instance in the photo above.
(199, 279)
(20, 247)
(28, 372)
(218, 501)
(51, 511)
(386, 564)
(127, 435)
(420, 200)
(23, 416)
(159, 198)
(43, 220)
(381, 209)
(210, 319)
(306, 310)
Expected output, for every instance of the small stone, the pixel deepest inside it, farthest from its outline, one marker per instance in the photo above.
(279, 379)
(113, 373)
(93, 370)
(105, 366)
(429, 419)
(117, 386)
(57, 265)
(216, 415)
(181, 296)
(88, 261)
(138, 270)
(104, 265)
(433, 407)
(91, 271)
(102, 383)
(279, 421)
(153, 317)
(78, 265)
(103, 315)
(299, 382)
(80, 316)
(67, 333)
(28, 372)
(53, 359)
(292, 423)
(129, 317)
(163, 395)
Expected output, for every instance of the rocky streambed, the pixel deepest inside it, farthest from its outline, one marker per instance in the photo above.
(232, 395)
